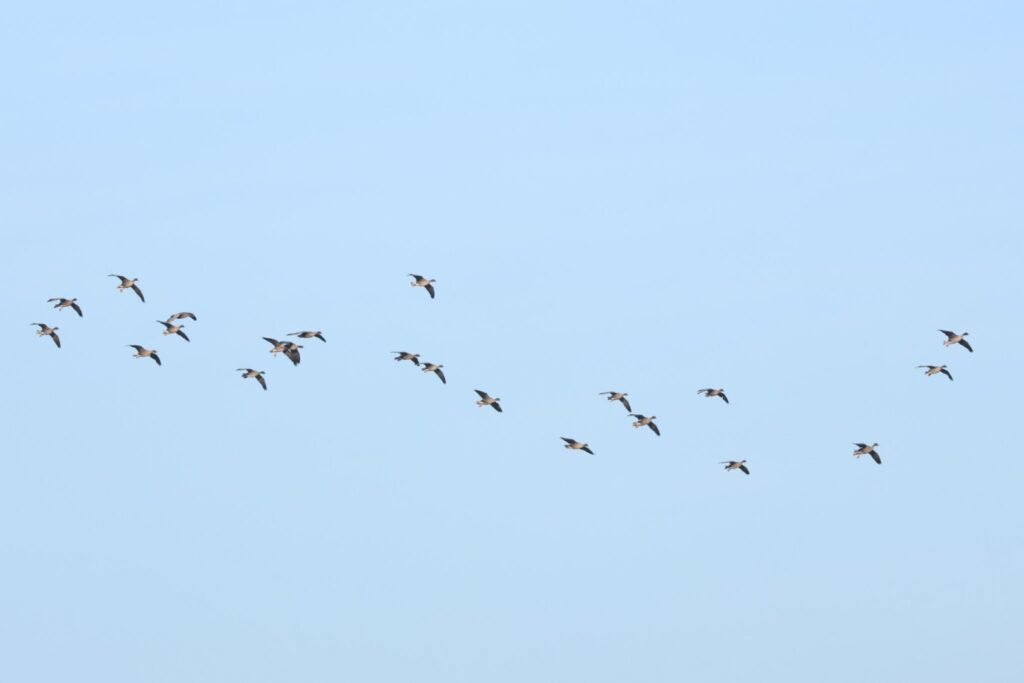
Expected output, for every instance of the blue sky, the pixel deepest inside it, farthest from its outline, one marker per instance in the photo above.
(786, 201)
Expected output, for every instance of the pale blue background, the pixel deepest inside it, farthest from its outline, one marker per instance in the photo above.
(783, 199)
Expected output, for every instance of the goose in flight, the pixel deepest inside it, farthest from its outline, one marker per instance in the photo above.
(740, 465)
(642, 421)
(174, 329)
(181, 316)
(258, 374)
(576, 445)
(129, 283)
(487, 400)
(405, 355)
(436, 369)
(865, 449)
(47, 331)
(289, 349)
(936, 369)
(143, 352)
(618, 396)
(420, 281)
(954, 338)
(307, 334)
(711, 393)
(66, 303)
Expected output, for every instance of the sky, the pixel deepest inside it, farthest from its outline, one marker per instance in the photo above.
(786, 200)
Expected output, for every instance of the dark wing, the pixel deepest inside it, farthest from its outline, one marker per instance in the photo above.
(637, 416)
(496, 407)
(586, 449)
(418, 277)
(744, 470)
(567, 440)
(167, 325)
(861, 445)
(948, 333)
(946, 373)
(876, 458)
(57, 300)
(136, 347)
(183, 336)
(293, 355)
(320, 337)
(654, 427)
(963, 343)
(138, 291)
(625, 403)
(56, 339)
(122, 278)
(272, 341)
(441, 375)
(77, 308)
(188, 315)
(263, 382)
(430, 289)
(723, 397)
(156, 358)
(482, 394)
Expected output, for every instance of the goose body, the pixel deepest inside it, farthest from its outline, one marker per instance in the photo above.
(47, 331)
(954, 338)
(128, 283)
(740, 465)
(66, 303)
(936, 369)
(181, 316)
(308, 334)
(436, 369)
(576, 445)
(619, 396)
(420, 281)
(643, 421)
(173, 329)
(143, 352)
(248, 373)
(487, 400)
(865, 449)
(711, 393)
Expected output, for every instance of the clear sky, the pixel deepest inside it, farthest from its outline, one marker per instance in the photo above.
(786, 200)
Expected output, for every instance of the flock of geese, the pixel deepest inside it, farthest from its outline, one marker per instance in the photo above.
(290, 350)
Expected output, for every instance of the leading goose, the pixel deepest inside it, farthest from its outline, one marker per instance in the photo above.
(711, 393)
(865, 449)
(66, 303)
(47, 331)
(936, 369)
(576, 445)
(174, 329)
(618, 396)
(740, 465)
(405, 355)
(143, 352)
(420, 281)
(128, 283)
(954, 338)
(436, 369)
(258, 374)
(308, 334)
(488, 400)
(642, 421)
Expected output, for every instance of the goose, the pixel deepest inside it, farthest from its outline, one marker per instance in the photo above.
(258, 374)
(291, 352)
(488, 400)
(174, 329)
(143, 352)
(711, 393)
(47, 331)
(436, 369)
(954, 338)
(420, 281)
(65, 303)
(306, 334)
(279, 346)
(642, 421)
(182, 316)
(936, 369)
(740, 465)
(617, 396)
(576, 445)
(129, 283)
(865, 449)
(405, 355)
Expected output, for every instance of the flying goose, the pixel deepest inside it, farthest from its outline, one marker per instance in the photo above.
(642, 421)
(617, 396)
(488, 400)
(174, 329)
(864, 449)
(306, 334)
(289, 349)
(47, 331)
(954, 338)
(420, 281)
(436, 369)
(65, 303)
(936, 369)
(740, 465)
(258, 374)
(143, 352)
(576, 445)
(129, 283)
(711, 393)
(181, 316)
(405, 355)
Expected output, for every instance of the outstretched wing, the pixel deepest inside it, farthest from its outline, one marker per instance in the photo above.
(948, 333)
(567, 440)
(183, 336)
(743, 468)
(724, 398)
(654, 427)
(496, 406)
(272, 341)
(77, 309)
(963, 343)
(56, 339)
(441, 375)
(875, 457)
(320, 337)
(430, 290)
(263, 382)
(625, 403)
(482, 394)
(135, 288)
(586, 449)
(946, 373)
(156, 358)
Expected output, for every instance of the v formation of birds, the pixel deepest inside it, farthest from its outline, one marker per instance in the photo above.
(290, 349)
